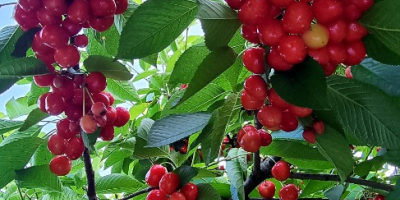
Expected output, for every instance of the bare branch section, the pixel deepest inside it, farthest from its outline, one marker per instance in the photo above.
(138, 193)
(91, 190)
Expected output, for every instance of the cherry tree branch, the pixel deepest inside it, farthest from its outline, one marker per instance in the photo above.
(91, 189)
(257, 159)
(8, 4)
(138, 193)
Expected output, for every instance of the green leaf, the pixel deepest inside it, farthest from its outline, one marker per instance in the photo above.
(335, 193)
(314, 186)
(94, 47)
(363, 168)
(42, 155)
(212, 66)
(33, 118)
(207, 192)
(110, 40)
(6, 84)
(219, 23)
(38, 177)
(120, 20)
(117, 156)
(154, 25)
(145, 74)
(175, 127)
(352, 100)
(123, 90)
(17, 108)
(35, 93)
(9, 125)
(67, 193)
(303, 86)
(381, 22)
(22, 67)
(235, 174)
(138, 109)
(186, 173)
(90, 139)
(378, 51)
(24, 42)
(8, 38)
(382, 76)
(117, 183)
(394, 195)
(334, 147)
(110, 69)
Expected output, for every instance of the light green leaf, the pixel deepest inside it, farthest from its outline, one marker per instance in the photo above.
(138, 109)
(235, 174)
(123, 90)
(67, 193)
(17, 108)
(207, 192)
(110, 69)
(8, 38)
(120, 20)
(145, 74)
(33, 118)
(314, 186)
(38, 177)
(117, 183)
(9, 125)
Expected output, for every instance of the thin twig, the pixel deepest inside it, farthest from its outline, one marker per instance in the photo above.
(257, 159)
(138, 193)
(8, 4)
(20, 193)
(91, 190)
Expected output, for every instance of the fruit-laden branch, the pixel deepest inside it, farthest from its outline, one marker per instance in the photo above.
(332, 177)
(91, 189)
(138, 193)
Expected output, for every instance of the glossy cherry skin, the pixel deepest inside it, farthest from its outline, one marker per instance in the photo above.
(169, 183)
(251, 141)
(235, 4)
(364, 4)
(337, 53)
(41, 102)
(246, 129)
(270, 116)
(56, 7)
(46, 18)
(57, 145)
(67, 57)
(271, 32)
(154, 175)
(329, 68)
(281, 171)
(71, 27)
(74, 148)
(352, 12)
(63, 129)
(300, 111)
(337, 31)
(122, 6)
(88, 124)
(44, 80)
(276, 100)
(254, 12)
(347, 72)
(327, 11)
(96, 82)
(319, 127)
(297, 18)
(102, 8)
(111, 115)
(54, 36)
(355, 32)
(249, 102)
(250, 33)
(309, 136)
(265, 137)
(256, 87)
(379, 197)
(289, 122)
(156, 195)
(177, 196)
(267, 189)
(122, 117)
(356, 52)
(26, 20)
(79, 11)
(275, 60)
(30, 5)
(107, 132)
(81, 41)
(99, 109)
(55, 104)
(253, 60)
(289, 192)
(60, 165)
(190, 191)
(101, 24)
(292, 49)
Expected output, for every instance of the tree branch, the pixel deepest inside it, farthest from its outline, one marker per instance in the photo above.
(138, 193)
(257, 159)
(8, 4)
(332, 177)
(91, 189)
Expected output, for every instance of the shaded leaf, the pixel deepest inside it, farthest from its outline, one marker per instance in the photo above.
(9, 125)
(8, 38)
(335, 193)
(378, 51)
(315, 186)
(110, 69)
(207, 192)
(394, 195)
(33, 118)
(22, 67)
(186, 173)
(235, 175)
(24, 42)
(38, 177)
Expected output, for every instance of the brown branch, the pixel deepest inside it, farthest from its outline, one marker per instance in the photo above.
(138, 193)
(91, 189)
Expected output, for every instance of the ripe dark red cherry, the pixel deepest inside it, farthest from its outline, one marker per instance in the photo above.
(271, 32)
(320, 55)
(101, 97)
(292, 49)
(60, 165)
(297, 18)
(73, 112)
(102, 8)
(30, 5)
(275, 60)
(44, 80)
(329, 68)
(79, 11)
(254, 12)
(327, 11)
(379, 197)
(54, 36)
(265, 137)
(41, 102)
(250, 33)
(46, 18)
(276, 100)
(356, 52)
(74, 148)
(289, 192)
(177, 196)
(63, 129)
(256, 87)
(55, 104)
(101, 24)
(309, 136)
(363, 4)
(348, 73)
(96, 82)
(67, 57)
(253, 60)
(107, 133)
(27, 20)
(337, 31)
(88, 124)
(270, 116)
(249, 102)
(154, 175)
(267, 189)
(111, 115)
(81, 41)
(244, 130)
(234, 4)
(99, 109)
(122, 5)
(251, 141)
(57, 145)
(300, 111)
(156, 195)
(71, 27)
(337, 53)
(352, 12)
(190, 191)
(122, 117)
(39, 48)
(319, 127)
(169, 183)
(355, 32)
(289, 122)
(281, 171)
(56, 7)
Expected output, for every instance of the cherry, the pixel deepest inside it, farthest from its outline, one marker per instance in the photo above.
(57, 145)
(177, 196)
(63, 129)
(99, 109)
(66, 90)
(281, 3)
(54, 36)
(88, 124)
(309, 136)
(271, 32)
(169, 183)
(122, 117)
(355, 32)
(253, 60)
(337, 31)
(71, 27)
(327, 11)
(337, 53)
(55, 104)
(298, 17)
(79, 11)
(60, 165)
(250, 33)
(256, 87)
(67, 57)
(352, 12)
(75, 148)
(73, 112)
(288, 192)
(320, 55)
(101, 24)
(249, 102)
(26, 20)
(251, 141)
(275, 60)
(101, 97)
(58, 81)
(319, 127)
(190, 191)
(154, 175)
(96, 82)
(41, 102)
(254, 12)
(329, 68)
(300, 111)
(267, 189)
(46, 18)
(44, 80)
(100, 120)
(38, 47)
(107, 133)
(281, 171)
(56, 7)
(289, 122)
(270, 116)
(234, 4)
(111, 115)
(347, 72)
(156, 195)
(102, 8)
(292, 49)
(379, 197)
(317, 37)
(363, 4)
(110, 97)
(265, 137)
(274, 11)
(122, 6)
(30, 5)
(246, 129)
(276, 100)
(48, 59)
(81, 41)
(356, 52)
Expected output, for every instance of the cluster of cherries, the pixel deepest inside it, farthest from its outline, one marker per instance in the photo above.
(86, 106)
(60, 22)
(167, 185)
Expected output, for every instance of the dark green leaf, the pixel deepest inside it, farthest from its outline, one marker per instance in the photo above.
(352, 100)
(207, 192)
(33, 118)
(38, 177)
(392, 156)
(335, 193)
(394, 195)
(117, 183)
(212, 66)
(186, 173)
(6, 84)
(377, 50)
(90, 139)
(120, 20)
(365, 167)
(175, 127)
(154, 25)
(123, 90)
(8, 38)
(315, 186)
(22, 67)
(151, 59)
(111, 69)
(235, 174)
(8, 125)
(219, 23)
(141, 140)
(24, 43)
(303, 86)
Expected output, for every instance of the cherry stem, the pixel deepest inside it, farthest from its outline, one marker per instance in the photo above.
(257, 159)
(90, 96)
(138, 193)
(91, 190)
(8, 4)
(84, 101)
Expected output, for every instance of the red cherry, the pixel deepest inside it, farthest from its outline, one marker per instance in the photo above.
(60, 165)
(281, 3)
(75, 148)
(379, 197)
(356, 52)
(267, 189)
(102, 8)
(66, 90)
(57, 145)
(327, 11)
(275, 60)
(71, 27)
(281, 171)
(337, 31)
(88, 124)
(265, 137)
(317, 37)
(297, 18)
(96, 82)
(169, 183)
(363, 4)
(41, 102)
(270, 116)
(101, 97)
(256, 87)
(27, 20)
(154, 175)
(101, 24)
(156, 195)
(319, 127)
(329, 68)
(309, 136)
(289, 122)
(253, 60)
(348, 73)
(234, 4)
(246, 129)
(254, 12)
(352, 12)
(100, 120)
(251, 141)
(67, 57)
(122, 117)
(320, 55)
(337, 53)
(54, 36)
(249, 102)
(81, 41)
(46, 18)
(63, 129)
(79, 11)
(177, 196)
(44, 80)
(300, 111)
(190, 191)
(99, 109)
(110, 97)
(48, 59)
(107, 133)
(39, 48)
(55, 104)
(122, 6)
(250, 33)
(271, 32)
(73, 112)
(276, 100)
(111, 115)
(56, 7)
(292, 49)
(355, 32)
(30, 5)
(289, 192)
(274, 11)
